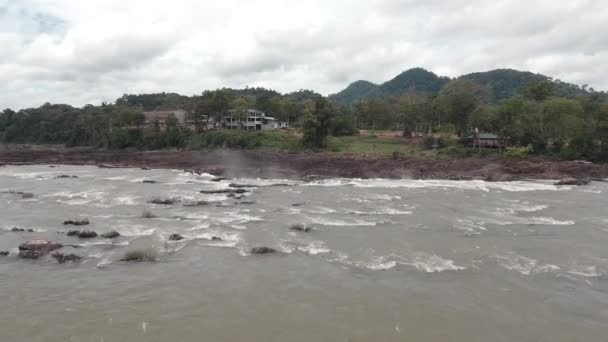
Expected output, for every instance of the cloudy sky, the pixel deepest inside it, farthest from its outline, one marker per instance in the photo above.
(79, 52)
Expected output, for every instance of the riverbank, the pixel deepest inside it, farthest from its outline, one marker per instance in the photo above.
(263, 163)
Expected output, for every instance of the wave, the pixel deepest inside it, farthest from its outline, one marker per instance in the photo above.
(524, 265)
(516, 186)
(340, 223)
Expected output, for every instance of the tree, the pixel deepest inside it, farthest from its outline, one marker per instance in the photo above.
(539, 90)
(315, 126)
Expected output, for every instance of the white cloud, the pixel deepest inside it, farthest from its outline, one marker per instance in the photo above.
(90, 51)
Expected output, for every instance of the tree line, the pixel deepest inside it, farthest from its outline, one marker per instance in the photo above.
(536, 117)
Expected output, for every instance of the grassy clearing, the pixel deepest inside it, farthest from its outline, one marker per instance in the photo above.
(377, 146)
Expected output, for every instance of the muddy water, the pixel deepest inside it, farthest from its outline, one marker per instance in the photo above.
(386, 260)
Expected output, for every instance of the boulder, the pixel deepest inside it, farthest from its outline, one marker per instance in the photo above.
(147, 181)
(224, 191)
(175, 237)
(110, 235)
(36, 248)
(216, 238)
(219, 179)
(573, 181)
(17, 230)
(76, 223)
(300, 228)
(146, 168)
(263, 250)
(4, 253)
(27, 195)
(65, 176)
(63, 258)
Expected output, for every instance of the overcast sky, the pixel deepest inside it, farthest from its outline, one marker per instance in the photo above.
(79, 52)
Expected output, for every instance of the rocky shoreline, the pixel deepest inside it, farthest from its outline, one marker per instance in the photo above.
(278, 164)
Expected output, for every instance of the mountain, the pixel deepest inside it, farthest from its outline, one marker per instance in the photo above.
(417, 79)
(502, 83)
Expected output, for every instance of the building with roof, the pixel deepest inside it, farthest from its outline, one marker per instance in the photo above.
(161, 117)
(249, 119)
(488, 140)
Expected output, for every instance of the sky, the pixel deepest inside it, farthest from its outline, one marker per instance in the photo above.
(86, 52)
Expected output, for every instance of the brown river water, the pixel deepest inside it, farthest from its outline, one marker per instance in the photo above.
(386, 260)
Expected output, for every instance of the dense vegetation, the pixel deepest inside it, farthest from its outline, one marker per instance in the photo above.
(537, 114)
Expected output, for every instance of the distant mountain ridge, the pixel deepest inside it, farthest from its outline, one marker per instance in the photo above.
(502, 83)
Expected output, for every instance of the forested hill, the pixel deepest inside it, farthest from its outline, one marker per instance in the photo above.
(501, 84)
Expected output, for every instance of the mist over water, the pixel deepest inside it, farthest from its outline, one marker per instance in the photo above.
(385, 260)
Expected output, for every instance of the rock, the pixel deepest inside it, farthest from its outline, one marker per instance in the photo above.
(219, 179)
(175, 237)
(572, 181)
(4, 253)
(27, 195)
(110, 235)
(17, 230)
(148, 214)
(149, 181)
(76, 223)
(262, 250)
(300, 228)
(246, 202)
(216, 238)
(240, 186)
(65, 176)
(72, 233)
(297, 204)
(146, 168)
(87, 234)
(168, 201)
(63, 258)
(36, 248)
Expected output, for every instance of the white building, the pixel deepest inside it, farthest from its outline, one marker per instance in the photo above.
(250, 119)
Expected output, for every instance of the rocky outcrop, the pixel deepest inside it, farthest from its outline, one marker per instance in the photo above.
(263, 250)
(110, 235)
(36, 248)
(175, 237)
(63, 258)
(76, 223)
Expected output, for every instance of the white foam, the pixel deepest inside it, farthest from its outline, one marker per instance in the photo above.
(340, 223)
(517, 186)
(586, 271)
(524, 265)
(314, 248)
(435, 264)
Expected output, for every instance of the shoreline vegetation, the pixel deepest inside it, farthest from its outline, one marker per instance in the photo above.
(417, 125)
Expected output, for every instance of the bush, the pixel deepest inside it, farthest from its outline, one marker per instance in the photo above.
(517, 152)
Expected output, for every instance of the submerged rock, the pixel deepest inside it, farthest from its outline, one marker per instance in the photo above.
(110, 235)
(300, 228)
(139, 256)
(573, 181)
(175, 237)
(219, 179)
(65, 176)
(76, 223)
(63, 258)
(167, 201)
(147, 181)
(36, 248)
(217, 238)
(224, 191)
(27, 195)
(196, 204)
(263, 250)
(84, 234)
(147, 214)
